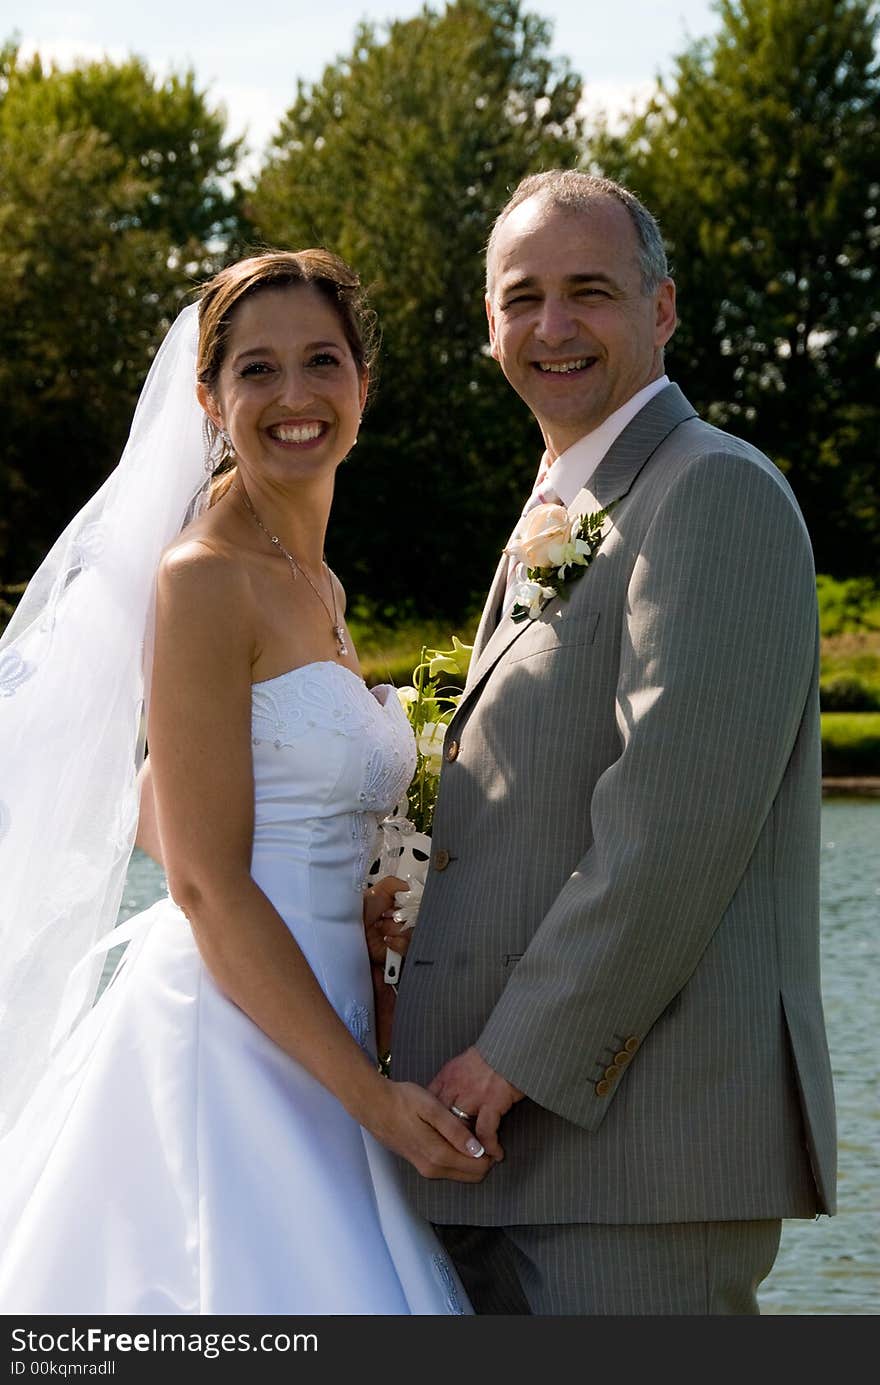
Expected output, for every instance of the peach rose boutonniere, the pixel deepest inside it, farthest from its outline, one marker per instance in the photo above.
(553, 550)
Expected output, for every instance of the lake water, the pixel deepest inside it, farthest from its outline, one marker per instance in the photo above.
(833, 1265)
(829, 1266)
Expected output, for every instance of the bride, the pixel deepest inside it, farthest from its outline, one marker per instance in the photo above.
(213, 1135)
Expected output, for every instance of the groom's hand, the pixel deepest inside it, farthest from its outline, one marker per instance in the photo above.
(468, 1083)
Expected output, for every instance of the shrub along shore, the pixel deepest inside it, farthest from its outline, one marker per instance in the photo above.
(851, 748)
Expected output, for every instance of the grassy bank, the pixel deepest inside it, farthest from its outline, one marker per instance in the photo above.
(389, 654)
(849, 621)
(850, 672)
(851, 745)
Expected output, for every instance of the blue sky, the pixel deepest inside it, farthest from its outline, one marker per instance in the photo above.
(250, 56)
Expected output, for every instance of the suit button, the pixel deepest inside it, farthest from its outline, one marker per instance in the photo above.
(612, 1071)
(441, 858)
(452, 751)
(603, 1088)
(622, 1058)
(632, 1044)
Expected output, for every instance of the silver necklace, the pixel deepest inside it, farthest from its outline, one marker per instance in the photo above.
(338, 630)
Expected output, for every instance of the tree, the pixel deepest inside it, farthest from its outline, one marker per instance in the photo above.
(760, 157)
(165, 131)
(398, 159)
(111, 200)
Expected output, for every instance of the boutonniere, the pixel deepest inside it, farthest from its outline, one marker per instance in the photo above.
(554, 550)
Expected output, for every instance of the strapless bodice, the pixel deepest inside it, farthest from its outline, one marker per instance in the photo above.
(331, 757)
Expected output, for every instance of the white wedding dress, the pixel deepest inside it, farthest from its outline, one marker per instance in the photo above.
(174, 1160)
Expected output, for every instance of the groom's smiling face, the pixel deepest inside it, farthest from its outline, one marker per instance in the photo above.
(569, 321)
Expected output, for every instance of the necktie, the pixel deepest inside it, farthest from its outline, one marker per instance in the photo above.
(542, 494)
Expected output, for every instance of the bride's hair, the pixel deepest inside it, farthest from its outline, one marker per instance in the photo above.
(219, 297)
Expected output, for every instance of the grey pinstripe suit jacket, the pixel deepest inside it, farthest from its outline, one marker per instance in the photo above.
(627, 926)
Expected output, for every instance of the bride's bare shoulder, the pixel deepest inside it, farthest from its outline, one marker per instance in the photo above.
(205, 564)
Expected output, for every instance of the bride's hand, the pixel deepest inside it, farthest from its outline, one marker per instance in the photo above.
(381, 930)
(438, 1144)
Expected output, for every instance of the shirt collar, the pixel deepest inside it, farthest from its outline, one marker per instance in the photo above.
(573, 468)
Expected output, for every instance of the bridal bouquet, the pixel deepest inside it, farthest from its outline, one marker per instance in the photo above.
(430, 705)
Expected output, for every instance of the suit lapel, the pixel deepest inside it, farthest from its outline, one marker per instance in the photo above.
(611, 481)
(500, 639)
(617, 472)
(489, 618)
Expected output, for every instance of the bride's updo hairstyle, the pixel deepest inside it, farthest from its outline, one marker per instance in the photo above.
(274, 269)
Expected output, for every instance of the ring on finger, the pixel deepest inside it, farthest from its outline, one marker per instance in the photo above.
(462, 1115)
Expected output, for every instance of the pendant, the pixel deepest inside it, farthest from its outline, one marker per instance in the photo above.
(341, 646)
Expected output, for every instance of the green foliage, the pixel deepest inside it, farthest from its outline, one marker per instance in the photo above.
(848, 694)
(164, 131)
(398, 159)
(849, 619)
(388, 654)
(850, 744)
(111, 190)
(847, 606)
(759, 155)
(430, 702)
(760, 159)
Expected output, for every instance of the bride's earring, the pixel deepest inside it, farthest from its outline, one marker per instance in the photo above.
(218, 444)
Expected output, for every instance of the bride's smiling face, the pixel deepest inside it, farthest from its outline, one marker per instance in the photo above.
(288, 393)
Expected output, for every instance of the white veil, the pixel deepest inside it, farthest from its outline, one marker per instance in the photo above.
(72, 698)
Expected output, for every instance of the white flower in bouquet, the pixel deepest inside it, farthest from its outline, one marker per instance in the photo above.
(429, 743)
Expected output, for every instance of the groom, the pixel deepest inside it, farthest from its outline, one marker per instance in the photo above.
(616, 968)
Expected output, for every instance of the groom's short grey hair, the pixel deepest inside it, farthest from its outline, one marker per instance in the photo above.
(570, 190)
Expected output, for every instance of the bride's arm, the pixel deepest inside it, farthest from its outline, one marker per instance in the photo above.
(148, 828)
(200, 747)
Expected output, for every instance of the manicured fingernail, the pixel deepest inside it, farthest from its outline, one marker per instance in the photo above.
(475, 1148)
